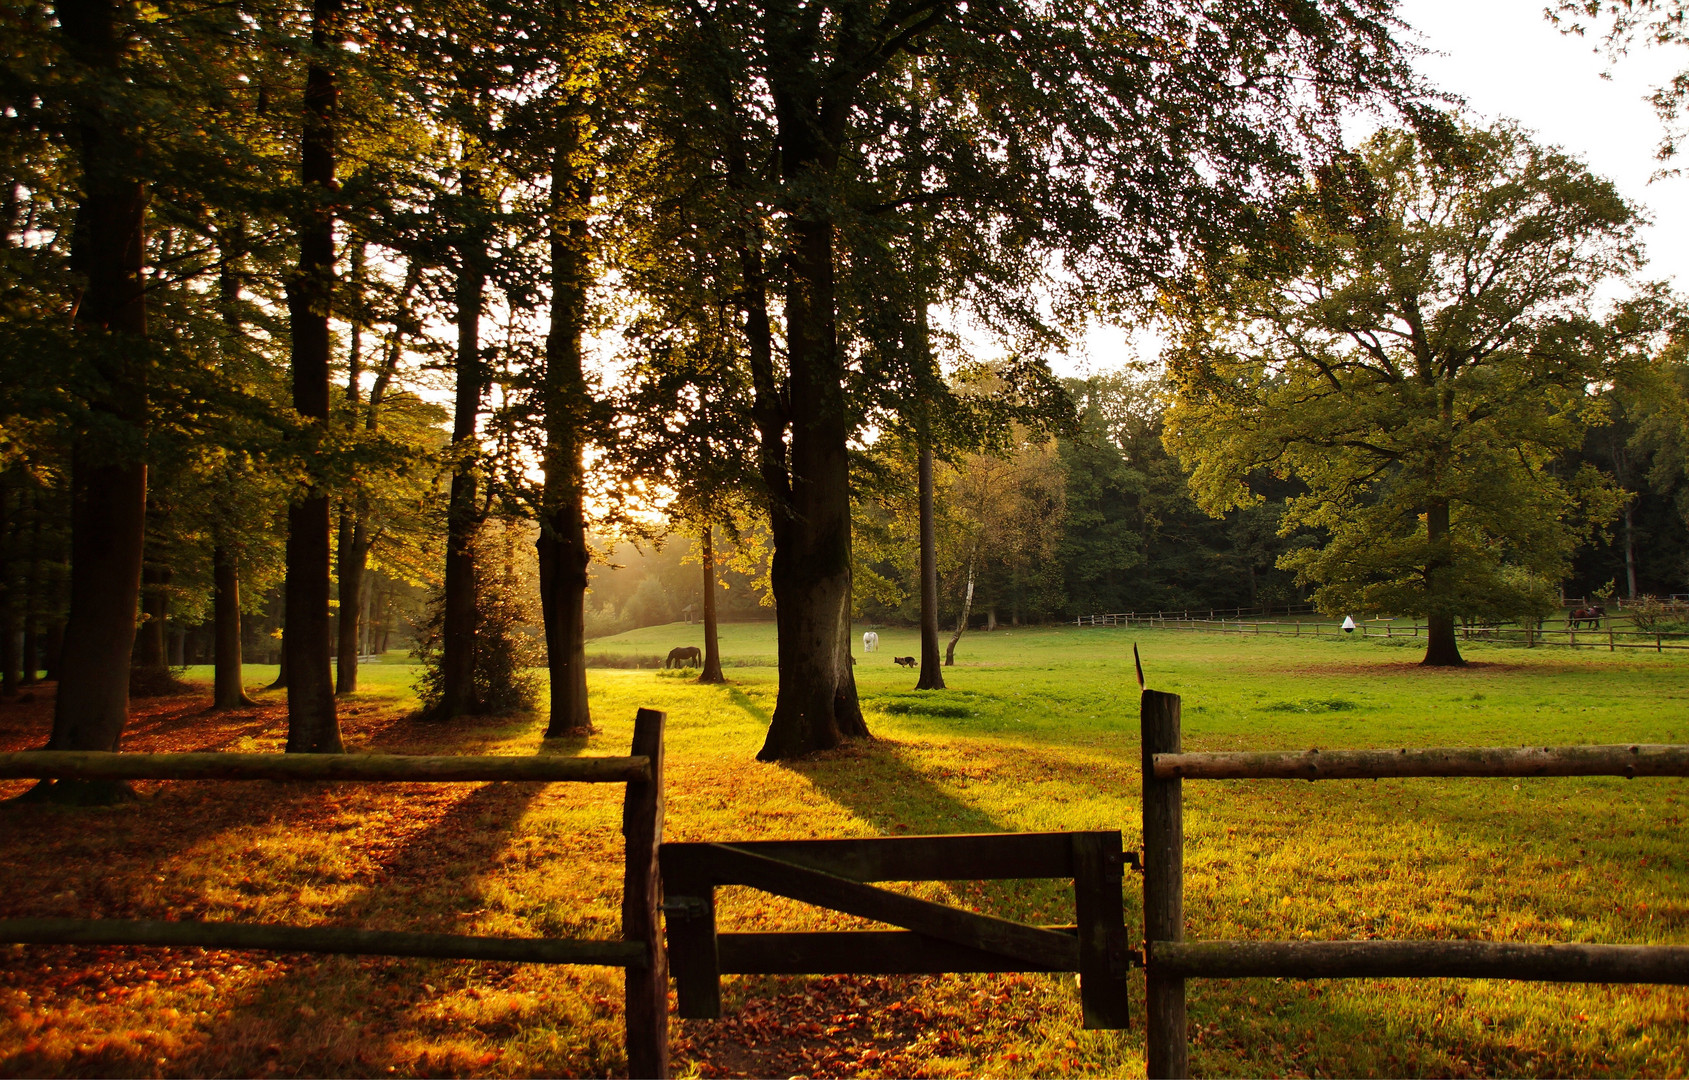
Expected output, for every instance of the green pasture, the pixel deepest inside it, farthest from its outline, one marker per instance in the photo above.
(1038, 730)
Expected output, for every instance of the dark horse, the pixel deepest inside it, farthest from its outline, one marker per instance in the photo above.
(686, 654)
(1591, 615)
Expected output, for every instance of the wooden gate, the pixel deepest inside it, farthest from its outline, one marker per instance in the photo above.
(935, 938)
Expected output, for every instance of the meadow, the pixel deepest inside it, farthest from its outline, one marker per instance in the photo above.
(1037, 731)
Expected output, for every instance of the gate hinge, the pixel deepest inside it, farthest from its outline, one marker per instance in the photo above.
(1123, 859)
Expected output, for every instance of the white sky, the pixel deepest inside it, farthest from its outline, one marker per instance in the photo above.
(1506, 60)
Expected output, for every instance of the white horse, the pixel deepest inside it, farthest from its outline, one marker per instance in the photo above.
(870, 641)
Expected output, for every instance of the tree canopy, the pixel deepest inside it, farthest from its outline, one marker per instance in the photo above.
(1419, 353)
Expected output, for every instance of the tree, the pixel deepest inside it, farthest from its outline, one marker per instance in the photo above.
(1418, 354)
(1103, 141)
(109, 475)
(312, 725)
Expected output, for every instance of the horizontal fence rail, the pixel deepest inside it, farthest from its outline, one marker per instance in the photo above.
(640, 950)
(1559, 633)
(101, 765)
(320, 939)
(1170, 960)
(1655, 964)
(1623, 760)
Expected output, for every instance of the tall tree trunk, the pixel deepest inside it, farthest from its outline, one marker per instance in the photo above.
(712, 643)
(312, 725)
(351, 546)
(1442, 647)
(458, 624)
(817, 707)
(109, 487)
(280, 682)
(33, 592)
(563, 552)
(967, 610)
(155, 605)
(228, 684)
(52, 650)
(1629, 551)
(10, 661)
(353, 557)
(932, 674)
(228, 690)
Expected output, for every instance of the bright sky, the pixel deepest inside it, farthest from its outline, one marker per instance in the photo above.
(1506, 60)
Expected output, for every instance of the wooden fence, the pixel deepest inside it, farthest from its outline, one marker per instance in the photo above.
(936, 938)
(1605, 636)
(1170, 960)
(639, 950)
(1124, 618)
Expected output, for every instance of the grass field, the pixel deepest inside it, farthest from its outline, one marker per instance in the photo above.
(1039, 731)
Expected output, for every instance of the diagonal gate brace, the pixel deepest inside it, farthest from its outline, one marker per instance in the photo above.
(1028, 944)
(833, 874)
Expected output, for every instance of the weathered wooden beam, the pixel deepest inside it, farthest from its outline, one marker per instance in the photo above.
(1623, 760)
(1662, 964)
(957, 857)
(319, 939)
(646, 989)
(1167, 1052)
(1104, 988)
(99, 765)
(1024, 943)
(868, 952)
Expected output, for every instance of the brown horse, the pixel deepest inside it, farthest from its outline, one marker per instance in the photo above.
(1591, 615)
(683, 656)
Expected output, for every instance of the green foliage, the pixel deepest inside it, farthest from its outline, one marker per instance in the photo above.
(1417, 354)
(507, 644)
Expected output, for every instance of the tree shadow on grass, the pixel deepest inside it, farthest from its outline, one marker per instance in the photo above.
(420, 867)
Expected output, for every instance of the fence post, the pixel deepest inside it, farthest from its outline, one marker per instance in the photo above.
(1164, 888)
(647, 988)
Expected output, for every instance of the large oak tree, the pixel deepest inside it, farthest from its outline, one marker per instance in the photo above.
(1420, 355)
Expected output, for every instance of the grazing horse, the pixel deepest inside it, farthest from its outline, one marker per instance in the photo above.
(870, 641)
(903, 661)
(684, 655)
(1591, 615)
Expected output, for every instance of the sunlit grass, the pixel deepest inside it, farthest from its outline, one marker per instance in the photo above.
(1039, 731)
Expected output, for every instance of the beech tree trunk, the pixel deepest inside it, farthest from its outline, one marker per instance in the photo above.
(108, 486)
(1629, 552)
(312, 725)
(33, 590)
(228, 690)
(10, 661)
(1442, 647)
(155, 605)
(563, 552)
(712, 644)
(353, 557)
(817, 707)
(280, 682)
(967, 610)
(932, 673)
(458, 629)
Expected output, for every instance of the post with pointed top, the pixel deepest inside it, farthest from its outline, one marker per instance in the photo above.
(1164, 887)
(647, 996)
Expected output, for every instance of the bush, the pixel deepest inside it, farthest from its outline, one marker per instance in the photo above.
(507, 645)
(1655, 616)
